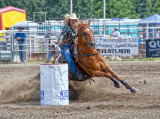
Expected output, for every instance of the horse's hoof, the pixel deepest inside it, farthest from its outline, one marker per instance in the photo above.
(133, 90)
(117, 84)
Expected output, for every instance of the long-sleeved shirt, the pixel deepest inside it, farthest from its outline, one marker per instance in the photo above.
(67, 34)
(22, 36)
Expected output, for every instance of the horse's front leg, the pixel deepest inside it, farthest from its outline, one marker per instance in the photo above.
(109, 70)
(117, 84)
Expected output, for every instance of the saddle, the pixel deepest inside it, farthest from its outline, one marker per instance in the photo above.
(81, 74)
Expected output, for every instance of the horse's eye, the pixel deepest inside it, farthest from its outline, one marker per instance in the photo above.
(85, 33)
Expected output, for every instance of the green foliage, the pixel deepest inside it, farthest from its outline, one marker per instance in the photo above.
(121, 9)
(86, 8)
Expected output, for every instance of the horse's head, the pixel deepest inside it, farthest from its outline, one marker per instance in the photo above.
(85, 34)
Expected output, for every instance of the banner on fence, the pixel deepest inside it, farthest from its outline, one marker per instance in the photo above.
(116, 46)
(153, 48)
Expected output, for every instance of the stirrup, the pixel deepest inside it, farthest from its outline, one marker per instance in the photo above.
(80, 77)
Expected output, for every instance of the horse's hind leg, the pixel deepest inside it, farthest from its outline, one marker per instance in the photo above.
(132, 89)
(117, 84)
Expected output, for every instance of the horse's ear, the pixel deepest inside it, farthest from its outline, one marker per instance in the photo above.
(78, 24)
(81, 22)
(89, 22)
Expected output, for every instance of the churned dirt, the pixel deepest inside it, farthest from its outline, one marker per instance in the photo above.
(20, 94)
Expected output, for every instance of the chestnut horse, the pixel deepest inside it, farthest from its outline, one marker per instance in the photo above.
(89, 60)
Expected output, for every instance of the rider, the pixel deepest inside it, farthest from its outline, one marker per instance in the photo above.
(66, 40)
(55, 33)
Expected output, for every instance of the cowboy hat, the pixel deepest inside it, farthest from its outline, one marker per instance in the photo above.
(73, 16)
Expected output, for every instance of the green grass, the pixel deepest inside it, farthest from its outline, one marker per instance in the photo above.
(138, 59)
(150, 59)
(143, 59)
(128, 59)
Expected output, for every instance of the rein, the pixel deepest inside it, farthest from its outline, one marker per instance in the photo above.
(85, 55)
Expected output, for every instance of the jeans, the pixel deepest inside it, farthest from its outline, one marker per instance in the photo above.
(68, 57)
(22, 54)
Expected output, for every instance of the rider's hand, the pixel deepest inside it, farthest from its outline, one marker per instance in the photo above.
(75, 41)
(60, 43)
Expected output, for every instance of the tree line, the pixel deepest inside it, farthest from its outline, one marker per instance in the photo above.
(87, 8)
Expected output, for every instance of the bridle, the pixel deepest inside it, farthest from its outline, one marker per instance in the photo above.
(83, 34)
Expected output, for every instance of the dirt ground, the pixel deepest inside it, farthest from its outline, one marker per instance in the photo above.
(20, 90)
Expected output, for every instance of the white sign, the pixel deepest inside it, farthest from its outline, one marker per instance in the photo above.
(117, 46)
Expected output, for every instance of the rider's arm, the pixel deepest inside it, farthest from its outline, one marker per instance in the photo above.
(75, 35)
(63, 33)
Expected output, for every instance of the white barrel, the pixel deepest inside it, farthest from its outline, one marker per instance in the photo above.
(54, 84)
